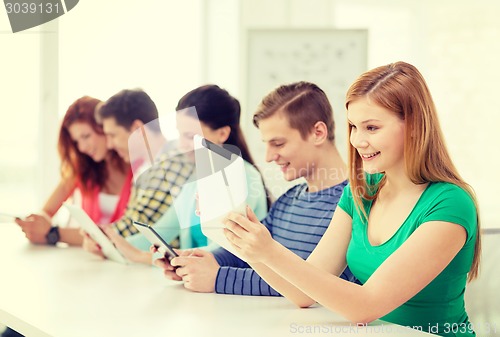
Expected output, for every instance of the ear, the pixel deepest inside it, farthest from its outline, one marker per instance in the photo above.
(319, 133)
(135, 125)
(223, 133)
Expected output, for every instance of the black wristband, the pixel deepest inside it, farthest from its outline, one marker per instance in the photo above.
(53, 236)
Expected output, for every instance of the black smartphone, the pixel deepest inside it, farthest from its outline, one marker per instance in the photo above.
(156, 240)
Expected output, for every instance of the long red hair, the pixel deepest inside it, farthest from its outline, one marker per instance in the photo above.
(75, 164)
(399, 87)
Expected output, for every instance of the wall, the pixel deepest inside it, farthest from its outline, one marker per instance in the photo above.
(154, 45)
(455, 44)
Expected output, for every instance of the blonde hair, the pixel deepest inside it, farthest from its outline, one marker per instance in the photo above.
(400, 87)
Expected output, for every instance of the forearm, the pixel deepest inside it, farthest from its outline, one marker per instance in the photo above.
(226, 258)
(143, 257)
(70, 236)
(304, 283)
(282, 286)
(242, 281)
(235, 277)
(58, 196)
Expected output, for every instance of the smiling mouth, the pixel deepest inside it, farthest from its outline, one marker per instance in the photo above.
(371, 155)
(283, 166)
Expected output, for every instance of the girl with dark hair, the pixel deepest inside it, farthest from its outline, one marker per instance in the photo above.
(101, 176)
(216, 109)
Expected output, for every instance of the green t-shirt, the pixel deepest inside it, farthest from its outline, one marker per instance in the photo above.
(439, 308)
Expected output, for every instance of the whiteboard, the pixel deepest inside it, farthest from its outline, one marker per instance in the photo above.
(330, 58)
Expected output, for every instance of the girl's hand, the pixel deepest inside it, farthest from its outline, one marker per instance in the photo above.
(127, 249)
(90, 245)
(249, 237)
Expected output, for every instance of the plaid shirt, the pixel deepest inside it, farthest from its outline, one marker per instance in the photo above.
(154, 191)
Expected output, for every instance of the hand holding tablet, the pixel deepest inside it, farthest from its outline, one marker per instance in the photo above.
(108, 248)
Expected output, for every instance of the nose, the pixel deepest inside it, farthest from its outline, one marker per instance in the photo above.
(358, 139)
(271, 155)
(82, 147)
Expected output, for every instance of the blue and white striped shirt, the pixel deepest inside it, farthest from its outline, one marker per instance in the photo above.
(297, 220)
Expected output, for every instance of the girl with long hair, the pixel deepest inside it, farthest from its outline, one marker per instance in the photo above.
(87, 165)
(407, 224)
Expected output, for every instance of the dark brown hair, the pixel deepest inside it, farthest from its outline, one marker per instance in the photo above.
(216, 108)
(127, 106)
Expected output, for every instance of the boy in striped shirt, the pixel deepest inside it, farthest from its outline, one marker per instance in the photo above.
(296, 123)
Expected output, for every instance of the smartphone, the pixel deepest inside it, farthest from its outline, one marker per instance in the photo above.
(155, 239)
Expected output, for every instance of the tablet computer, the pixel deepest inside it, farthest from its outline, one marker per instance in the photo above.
(5, 217)
(155, 239)
(222, 187)
(108, 248)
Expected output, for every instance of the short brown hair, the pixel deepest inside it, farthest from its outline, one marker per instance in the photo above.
(129, 105)
(303, 103)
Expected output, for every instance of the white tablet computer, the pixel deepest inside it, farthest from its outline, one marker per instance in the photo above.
(108, 248)
(5, 217)
(222, 187)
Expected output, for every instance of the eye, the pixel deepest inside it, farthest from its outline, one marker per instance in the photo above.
(352, 126)
(371, 128)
